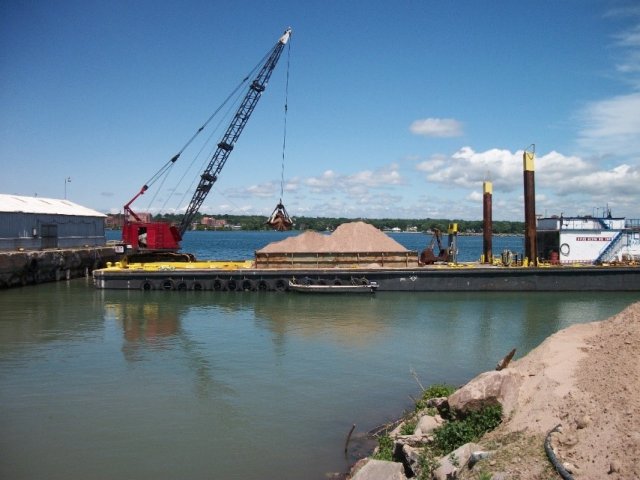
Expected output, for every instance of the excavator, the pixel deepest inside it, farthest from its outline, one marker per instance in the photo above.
(149, 241)
(446, 254)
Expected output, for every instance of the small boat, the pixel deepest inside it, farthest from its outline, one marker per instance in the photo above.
(368, 287)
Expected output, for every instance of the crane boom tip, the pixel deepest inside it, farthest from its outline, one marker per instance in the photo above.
(285, 37)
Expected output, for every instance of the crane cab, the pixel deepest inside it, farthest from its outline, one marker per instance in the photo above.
(151, 236)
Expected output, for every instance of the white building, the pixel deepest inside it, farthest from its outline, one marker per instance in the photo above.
(34, 223)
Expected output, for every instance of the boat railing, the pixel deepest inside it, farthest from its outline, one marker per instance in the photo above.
(632, 223)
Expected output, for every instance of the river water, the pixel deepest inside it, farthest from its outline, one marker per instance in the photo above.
(106, 384)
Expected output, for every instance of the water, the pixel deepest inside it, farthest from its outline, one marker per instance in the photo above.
(204, 385)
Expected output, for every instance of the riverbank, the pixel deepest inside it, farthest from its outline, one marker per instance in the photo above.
(585, 378)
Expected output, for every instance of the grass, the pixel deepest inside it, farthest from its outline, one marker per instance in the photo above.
(434, 391)
(456, 433)
(409, 426)
(385, 449)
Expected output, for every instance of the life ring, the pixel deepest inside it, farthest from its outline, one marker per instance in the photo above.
(168, 285)
(197, 286)
(263, 286)
(232, 285)
(507, 258)
(181, 287)
(147, 286)
(565, 249)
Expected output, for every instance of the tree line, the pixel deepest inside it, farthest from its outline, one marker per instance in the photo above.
(257, 222)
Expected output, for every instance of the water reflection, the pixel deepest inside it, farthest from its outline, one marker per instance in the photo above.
(153, 326)
(461, 327)
(46, 313)
(146, 326)
(143, 384)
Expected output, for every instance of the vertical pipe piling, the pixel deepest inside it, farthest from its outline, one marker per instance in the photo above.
(530, 249)
(487, 222)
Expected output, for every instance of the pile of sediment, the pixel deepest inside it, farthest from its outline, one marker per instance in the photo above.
(347, 238)
(584, 380)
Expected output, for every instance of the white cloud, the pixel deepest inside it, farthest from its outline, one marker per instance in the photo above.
(324, 183)
(467, 168)
(437, 127)
(622, 180)
(356, 184)
(562, 181)
(612, 126)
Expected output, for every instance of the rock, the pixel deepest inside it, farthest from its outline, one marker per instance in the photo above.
(427, 423)
(448, 469)
(583, 422)
(488, 388)
(477, 456)
(380, 470)
(569, 441)
(412, 458)
(614, 467)
(436, 402)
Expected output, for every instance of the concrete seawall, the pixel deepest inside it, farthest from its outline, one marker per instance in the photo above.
(30, 267)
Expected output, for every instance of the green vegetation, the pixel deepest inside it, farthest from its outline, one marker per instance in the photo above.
(385, 449)
(257, 222)
(436, 390)
(455, 433)
(448, 437)
(409, 426)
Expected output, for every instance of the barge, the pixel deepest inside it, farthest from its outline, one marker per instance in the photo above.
(241, 276)
(337, 259)
(571, 253)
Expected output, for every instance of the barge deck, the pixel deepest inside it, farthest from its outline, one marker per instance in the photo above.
(234, 276)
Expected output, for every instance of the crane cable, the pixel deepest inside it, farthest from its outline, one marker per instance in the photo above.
(164, 171)
(286, 109)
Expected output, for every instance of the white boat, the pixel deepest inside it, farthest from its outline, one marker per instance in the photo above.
(588, 239)
(368, 287)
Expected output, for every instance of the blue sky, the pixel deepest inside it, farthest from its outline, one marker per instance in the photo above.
(396, 109)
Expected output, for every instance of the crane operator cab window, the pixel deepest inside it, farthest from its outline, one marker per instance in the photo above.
(142, 237)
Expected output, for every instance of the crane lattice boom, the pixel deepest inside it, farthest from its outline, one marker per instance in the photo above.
(225, 146)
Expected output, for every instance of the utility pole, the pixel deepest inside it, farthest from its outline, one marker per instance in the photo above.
(66, 180)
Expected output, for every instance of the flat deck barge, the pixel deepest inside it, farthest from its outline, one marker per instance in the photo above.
(467, 277)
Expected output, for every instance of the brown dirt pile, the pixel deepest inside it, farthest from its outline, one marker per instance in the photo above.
(586, 378)
(348, 237)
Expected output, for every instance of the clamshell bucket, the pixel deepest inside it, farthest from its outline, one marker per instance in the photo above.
(280, 219)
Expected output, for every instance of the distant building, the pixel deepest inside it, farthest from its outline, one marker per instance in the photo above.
(36, 223)
(214, 223)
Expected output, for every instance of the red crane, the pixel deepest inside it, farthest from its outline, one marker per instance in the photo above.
(152, 239)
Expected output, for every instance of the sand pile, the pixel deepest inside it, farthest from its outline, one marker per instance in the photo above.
(586, 378)
(348, 237)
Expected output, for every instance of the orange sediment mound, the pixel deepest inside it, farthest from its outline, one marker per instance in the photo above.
(349, 237)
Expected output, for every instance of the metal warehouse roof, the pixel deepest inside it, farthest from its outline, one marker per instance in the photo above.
(49, 206)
